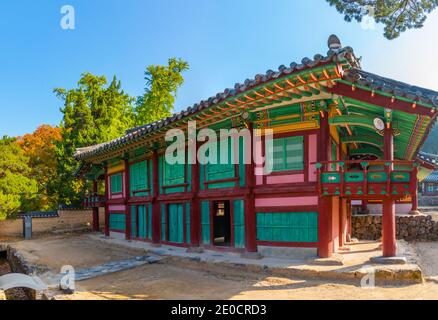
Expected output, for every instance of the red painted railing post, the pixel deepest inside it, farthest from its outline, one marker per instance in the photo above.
(319, 173)
(195, 210)
(325, 216)
(107, 196)
(155, 203)
(414, 189)
(341, 179)
(388, 219)
(127, 194)
(95, 209)
(250, 214)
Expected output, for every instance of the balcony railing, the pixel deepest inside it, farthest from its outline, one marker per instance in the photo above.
(94, 201)
(367, 179)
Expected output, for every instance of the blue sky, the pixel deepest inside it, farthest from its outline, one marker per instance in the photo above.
(225, 41)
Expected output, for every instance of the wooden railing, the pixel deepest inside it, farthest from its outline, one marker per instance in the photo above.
(94, 201)
(376, 179)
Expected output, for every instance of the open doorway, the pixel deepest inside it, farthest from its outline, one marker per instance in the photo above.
(221, 224)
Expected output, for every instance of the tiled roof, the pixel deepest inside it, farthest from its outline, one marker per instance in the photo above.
(135, 133)
(433, 177)
(396, 88)
(355, 75)
(428, 157)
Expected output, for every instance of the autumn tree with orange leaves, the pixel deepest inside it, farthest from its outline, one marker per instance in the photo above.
(39, 147)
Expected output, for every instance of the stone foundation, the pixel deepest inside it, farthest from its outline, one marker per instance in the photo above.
(409, 228)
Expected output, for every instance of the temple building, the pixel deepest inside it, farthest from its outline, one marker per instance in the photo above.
(339, 135)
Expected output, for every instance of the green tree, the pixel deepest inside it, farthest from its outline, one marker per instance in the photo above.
(397, 15)
(162, 83)
(431, 143)
(16, 185)
(93, 113)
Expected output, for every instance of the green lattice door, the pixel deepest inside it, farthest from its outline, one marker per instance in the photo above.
(142, 222)
(176, 223)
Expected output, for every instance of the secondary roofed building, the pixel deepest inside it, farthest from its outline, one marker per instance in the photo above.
(430, 183)
(340, 134)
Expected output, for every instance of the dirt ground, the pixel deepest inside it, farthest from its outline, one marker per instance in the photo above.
(167, 280)
(75, 250)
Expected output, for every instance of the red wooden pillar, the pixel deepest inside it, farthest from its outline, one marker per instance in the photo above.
(107, 196)
(415, 201)
(95, 208)
(388, 219)
(343, 221)
(364, 206)
(325, 217)
(155, 203)
(127, 194)
(349, 221)
(414, 192)
(195, 210)
(250, 215)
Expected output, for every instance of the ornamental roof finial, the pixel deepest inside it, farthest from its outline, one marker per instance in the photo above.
(334, 43)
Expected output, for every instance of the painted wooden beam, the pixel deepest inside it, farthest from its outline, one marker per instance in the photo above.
(380, 100)
(352, 120)
(376, 141)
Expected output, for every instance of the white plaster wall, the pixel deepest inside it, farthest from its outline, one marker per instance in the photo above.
(400, 208)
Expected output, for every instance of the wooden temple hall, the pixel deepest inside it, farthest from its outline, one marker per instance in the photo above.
(341, 135)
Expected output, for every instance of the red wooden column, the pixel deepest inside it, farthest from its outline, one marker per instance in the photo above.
(250, 215)
(95, 209)
(414, 192)
(415, 202)
(349, 221)
(195, 210)
(107, 196)
(364, 206)
(155, 203)
(127, 194)
(325, 217)
(388, 219)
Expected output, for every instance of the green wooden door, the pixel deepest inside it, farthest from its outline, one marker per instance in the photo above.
(134, 222)
(187, 222)
(142, 222)
(117, 222)
(150, 221)
(176, 223)
(287, 226)
(205, 222)
(239, 224)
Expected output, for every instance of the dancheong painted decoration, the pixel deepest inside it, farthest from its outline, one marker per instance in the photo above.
(339, 135)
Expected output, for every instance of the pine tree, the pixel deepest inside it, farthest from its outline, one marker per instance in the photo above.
(397, 15)
(93, 113)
